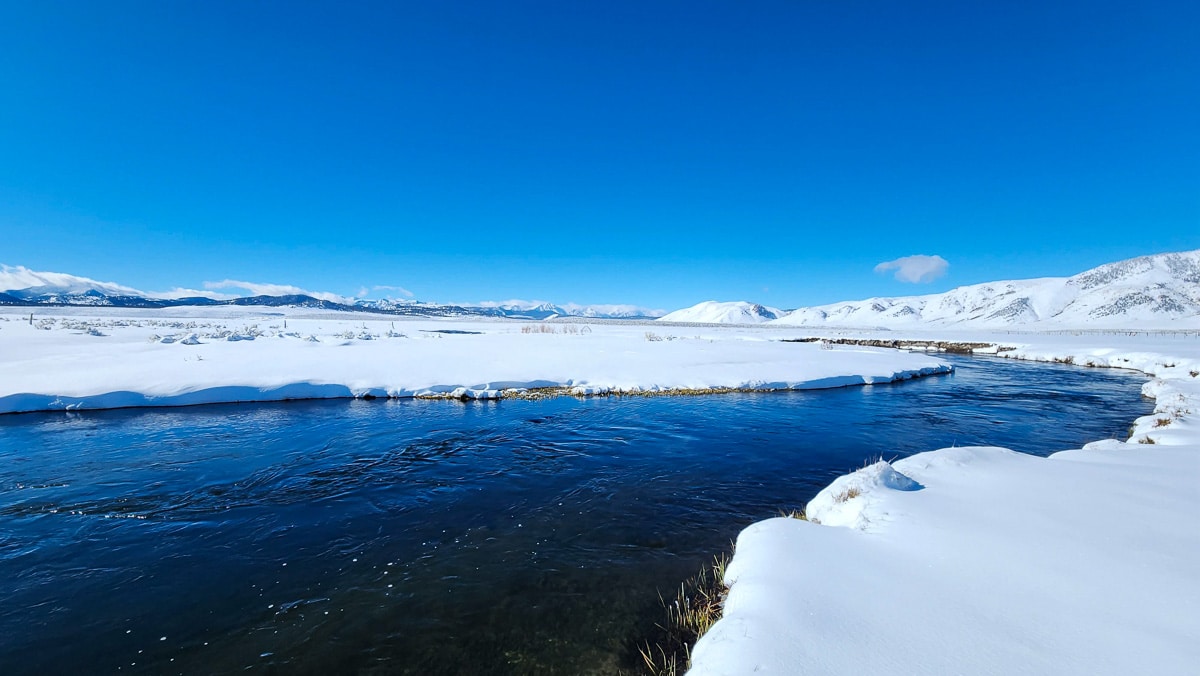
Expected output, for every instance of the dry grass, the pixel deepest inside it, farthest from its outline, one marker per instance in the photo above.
(538, 328)
(1147, 440)
(662, 664)
(691, 612)
(848, 494)
(1162, 422)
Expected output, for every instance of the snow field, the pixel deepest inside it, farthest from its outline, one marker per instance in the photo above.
(74, 361)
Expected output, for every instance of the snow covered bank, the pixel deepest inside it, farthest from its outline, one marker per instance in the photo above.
(70, 361)
(986, 561)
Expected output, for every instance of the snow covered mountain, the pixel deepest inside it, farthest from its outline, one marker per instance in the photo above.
(22, 282)
(714, 312)
(25, 287)
(520, 309)
(1159, 291)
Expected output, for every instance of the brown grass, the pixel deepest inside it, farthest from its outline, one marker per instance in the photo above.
(691, 612)
(848, 494)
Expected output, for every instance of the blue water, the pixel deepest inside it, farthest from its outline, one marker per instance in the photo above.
(436, 537)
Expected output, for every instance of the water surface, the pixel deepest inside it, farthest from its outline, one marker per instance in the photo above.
(436, 537)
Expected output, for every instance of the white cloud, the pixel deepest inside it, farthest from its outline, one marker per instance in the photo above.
(179, 292)
(398, 289)
(915, 269)
(14, 278)
(260, 289)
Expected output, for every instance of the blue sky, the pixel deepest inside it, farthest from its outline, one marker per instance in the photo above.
(655, 153)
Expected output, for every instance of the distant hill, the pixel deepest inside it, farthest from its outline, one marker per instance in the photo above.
(23, 287)
(1159, 291)
(713, 312)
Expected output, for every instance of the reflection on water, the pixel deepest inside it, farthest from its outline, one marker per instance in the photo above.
(434, 537)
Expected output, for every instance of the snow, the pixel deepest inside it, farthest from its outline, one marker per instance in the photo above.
(180, 356)
(33, 288)
(538, 309)
(19, 277)
(987, 561)
(1160, 291)
(716, 312)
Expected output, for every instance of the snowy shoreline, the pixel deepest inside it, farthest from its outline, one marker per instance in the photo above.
(88, 360)
(983, 560)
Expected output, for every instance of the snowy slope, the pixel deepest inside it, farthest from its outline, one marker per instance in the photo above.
(715, 312)
(1160, 291)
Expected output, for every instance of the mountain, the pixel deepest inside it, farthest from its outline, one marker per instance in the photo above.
(714, 312)
(610, 311)
(520, 309)
(517, 309)
(1159, 291)
(24, 287)
(22, 282)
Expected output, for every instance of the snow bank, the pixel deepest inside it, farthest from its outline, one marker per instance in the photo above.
(987, 561)
(148, 359)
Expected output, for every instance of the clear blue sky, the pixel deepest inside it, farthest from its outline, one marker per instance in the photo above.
(656, 153)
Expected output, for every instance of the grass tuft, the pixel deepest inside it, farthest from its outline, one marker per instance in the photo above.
(1147, 440)
(848, 494)
(657, 662)
(1162, 422)
(690, 612)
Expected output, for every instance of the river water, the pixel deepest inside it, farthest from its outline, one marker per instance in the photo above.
(436, 537)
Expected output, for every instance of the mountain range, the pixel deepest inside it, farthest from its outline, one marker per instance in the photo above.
(23, 287)
(1158, 291)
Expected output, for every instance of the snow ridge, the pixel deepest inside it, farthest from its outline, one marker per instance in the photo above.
(1159, 291)
(1162, 291)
